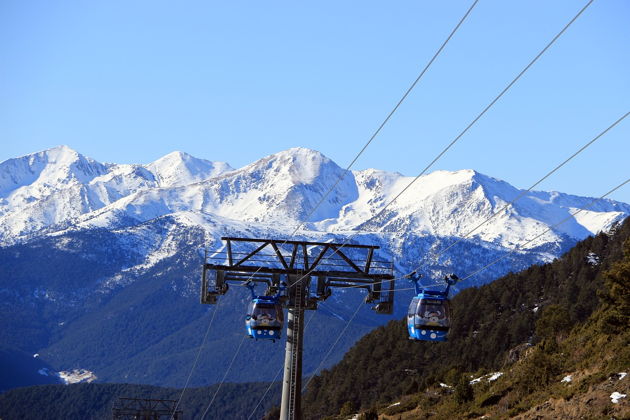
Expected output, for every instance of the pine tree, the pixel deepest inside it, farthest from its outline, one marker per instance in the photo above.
(463, 390)
(616, 297)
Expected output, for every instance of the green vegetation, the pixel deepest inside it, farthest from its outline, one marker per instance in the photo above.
(95, 401)
(570, 316)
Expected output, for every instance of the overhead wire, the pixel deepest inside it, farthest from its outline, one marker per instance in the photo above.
(390, 114)
(224, 376)
(521, 194)
(477, 118)
(490, 105)
(571, 216)
(473, 122)
(203, 342)
(276, 376)
(380, 127)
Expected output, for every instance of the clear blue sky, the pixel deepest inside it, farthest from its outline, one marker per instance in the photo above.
(129, 81)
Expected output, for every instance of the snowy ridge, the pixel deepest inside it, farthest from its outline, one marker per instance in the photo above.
(58, 190)
(56, 186)
(178, 168)
(123, 240)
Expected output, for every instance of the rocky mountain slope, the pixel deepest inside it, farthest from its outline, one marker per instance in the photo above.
(100, 262)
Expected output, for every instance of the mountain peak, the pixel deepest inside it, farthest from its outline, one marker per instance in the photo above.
(54, 166)
(302, 155)
(62, 148)
(175, 156)
(60, 155)
(302, 165)
(179, 168)
(305, 151)
(59, 184)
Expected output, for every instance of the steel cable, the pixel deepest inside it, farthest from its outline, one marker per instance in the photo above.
(474, 121)
(224, 377)
(455, 140)
(203, 342)
(522, 193)
(378, 130)
(571, 216)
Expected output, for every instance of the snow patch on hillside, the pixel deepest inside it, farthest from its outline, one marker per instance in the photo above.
(490, 377)
(615, 397)
(76, 376)
(73, 376)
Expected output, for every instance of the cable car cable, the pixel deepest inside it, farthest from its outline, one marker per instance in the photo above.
(333, 345)
(570, 216)
(387, 118)
(203, 342)
(224, 377)
(391, 113)
(523, 192)
(276, 376)
(474, 121)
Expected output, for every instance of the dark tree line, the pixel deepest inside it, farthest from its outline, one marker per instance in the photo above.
(490, 324)
(95, 401)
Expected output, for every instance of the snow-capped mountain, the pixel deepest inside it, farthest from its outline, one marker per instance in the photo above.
(59, 189)
(100, 256)
(56, 186)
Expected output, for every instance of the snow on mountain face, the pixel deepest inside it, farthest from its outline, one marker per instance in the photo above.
(56, 186)
(44, 188)
(157, 217)
(59, 189)
(177, 169)
(455, 203)
(34, 176)
(281, 188)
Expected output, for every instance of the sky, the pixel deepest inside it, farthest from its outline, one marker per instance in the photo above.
(130, 81)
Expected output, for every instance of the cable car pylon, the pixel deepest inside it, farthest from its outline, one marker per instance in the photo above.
(290, 407)
(297, 275)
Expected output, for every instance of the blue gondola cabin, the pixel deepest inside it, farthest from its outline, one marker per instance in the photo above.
(428, 317)
(264, 318)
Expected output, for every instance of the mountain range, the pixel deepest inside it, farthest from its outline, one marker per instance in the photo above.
(100, 262)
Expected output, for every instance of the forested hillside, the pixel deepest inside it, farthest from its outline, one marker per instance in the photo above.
(95, 401)
(103, 260)
(569, 317)
(494, 326)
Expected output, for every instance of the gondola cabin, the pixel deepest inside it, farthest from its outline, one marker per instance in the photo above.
(264, 319)
(428, 317)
